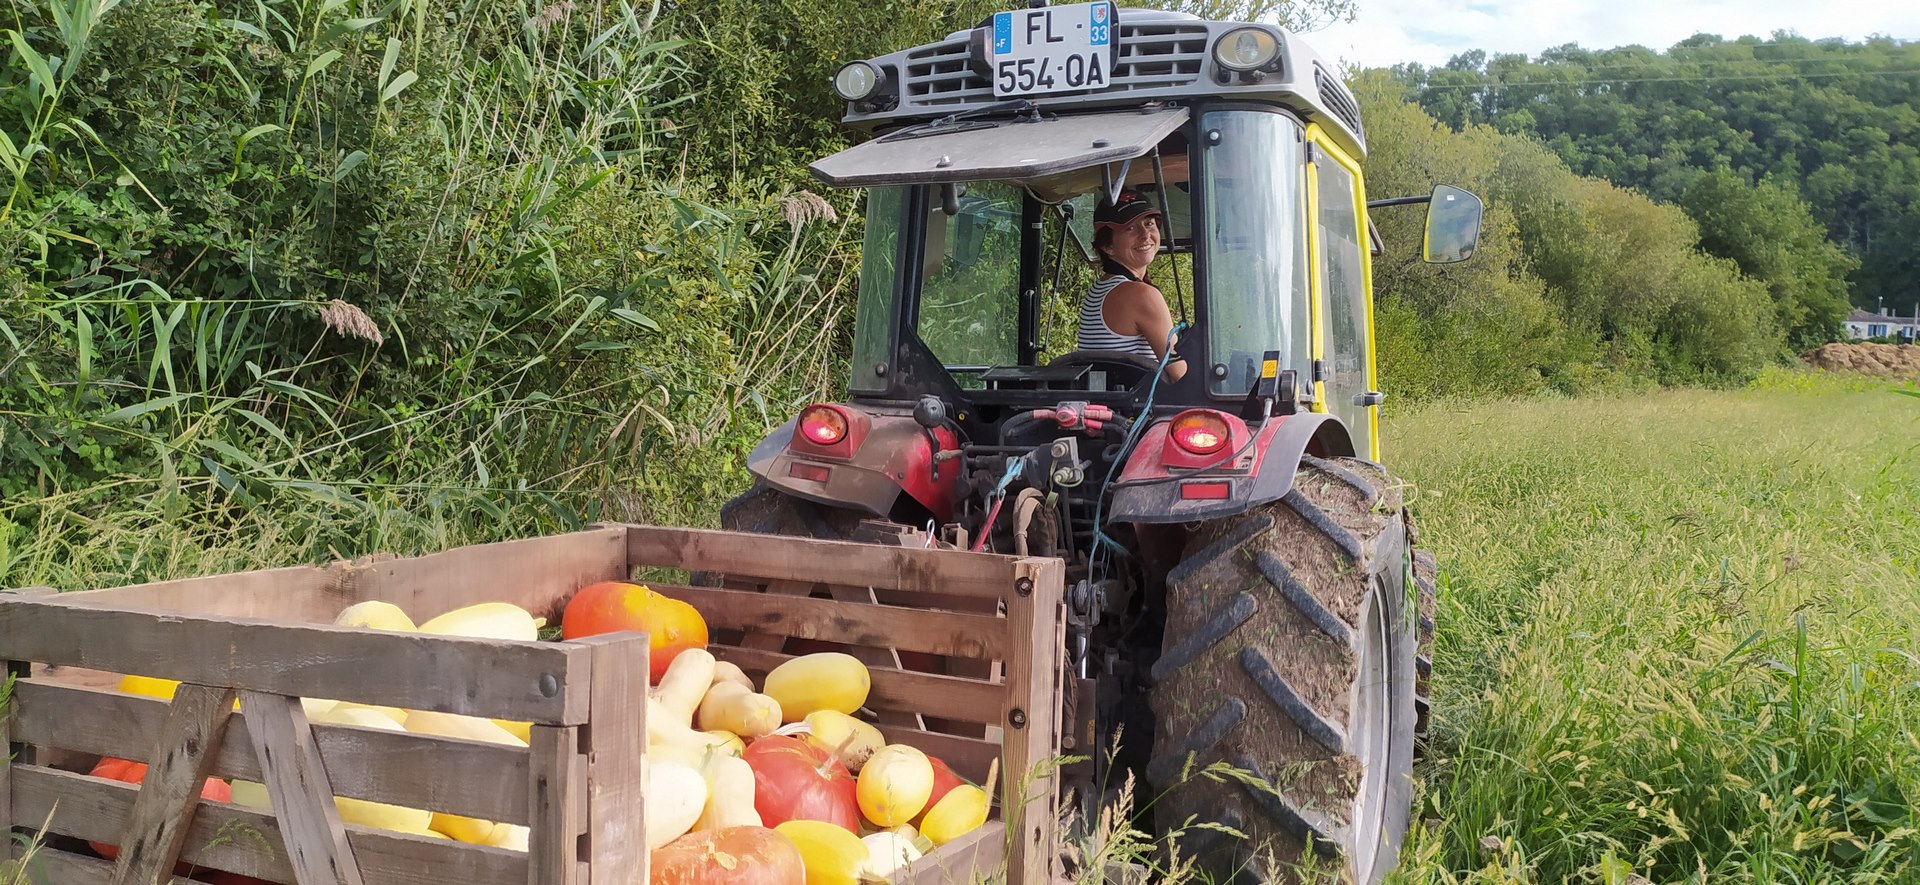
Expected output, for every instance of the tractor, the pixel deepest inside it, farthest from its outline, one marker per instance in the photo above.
(1247, 614)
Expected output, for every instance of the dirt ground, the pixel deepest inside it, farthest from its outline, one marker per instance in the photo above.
(1879, 360)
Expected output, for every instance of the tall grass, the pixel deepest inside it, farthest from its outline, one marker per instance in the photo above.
(1679, 636)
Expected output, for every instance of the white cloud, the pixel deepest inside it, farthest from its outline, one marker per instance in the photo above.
(1432, 31)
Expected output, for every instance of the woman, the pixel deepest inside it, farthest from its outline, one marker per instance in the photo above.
(1123, 312)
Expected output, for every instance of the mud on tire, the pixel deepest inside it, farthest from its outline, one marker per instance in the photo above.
(1284, 694)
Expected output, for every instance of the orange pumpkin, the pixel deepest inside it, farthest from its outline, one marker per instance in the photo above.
(672, 626)
(729, 856)
(127, 771)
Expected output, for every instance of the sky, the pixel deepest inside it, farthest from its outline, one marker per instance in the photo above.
(1431, 31)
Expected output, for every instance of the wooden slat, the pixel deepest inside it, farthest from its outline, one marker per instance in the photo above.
(170, 793)
(66, 868)
(616, 759)
(806, 559)
(979, 856)
(853, 622)
(526, 681)
(247, 842)
(969, 757)
(1034, 676)
(301, 594)
(553, 845)
(969, 700)
(535, 574)
(379, 766)
(290, 765)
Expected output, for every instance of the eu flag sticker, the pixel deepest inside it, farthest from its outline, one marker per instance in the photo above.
(1002, 33)
(1100, 33)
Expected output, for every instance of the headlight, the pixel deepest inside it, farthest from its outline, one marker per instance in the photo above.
(1246, 49)
(857, 81)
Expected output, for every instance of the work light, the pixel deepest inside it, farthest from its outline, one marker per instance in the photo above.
(856, 81)
(1246, 49)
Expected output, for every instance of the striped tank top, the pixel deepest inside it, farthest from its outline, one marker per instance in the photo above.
(1094, 332)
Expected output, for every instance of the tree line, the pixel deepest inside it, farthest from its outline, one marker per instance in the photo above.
(1742, 133)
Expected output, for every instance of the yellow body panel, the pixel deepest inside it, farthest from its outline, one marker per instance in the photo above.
(1325, 149)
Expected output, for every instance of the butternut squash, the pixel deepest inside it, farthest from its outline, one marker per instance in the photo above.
(676, 797)
(685, 683)
(728, 707)
(729, 795)
(728, 671)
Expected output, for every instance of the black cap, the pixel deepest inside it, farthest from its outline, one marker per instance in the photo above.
(1130, 206)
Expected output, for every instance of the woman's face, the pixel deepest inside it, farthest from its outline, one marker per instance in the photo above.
(1135, 244)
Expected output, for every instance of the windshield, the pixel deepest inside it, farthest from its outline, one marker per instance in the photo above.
(970, 277)
(1256, 247)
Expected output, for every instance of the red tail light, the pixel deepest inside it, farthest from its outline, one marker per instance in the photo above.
(823, 425)
(1201, 431)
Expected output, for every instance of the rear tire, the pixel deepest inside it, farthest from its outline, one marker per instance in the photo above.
(1284, 693)
(765, 510)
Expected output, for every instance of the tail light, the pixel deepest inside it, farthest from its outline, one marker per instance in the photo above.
(823, 425)
(1201, 431)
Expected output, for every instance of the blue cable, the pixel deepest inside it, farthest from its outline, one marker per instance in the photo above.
(1100, 539)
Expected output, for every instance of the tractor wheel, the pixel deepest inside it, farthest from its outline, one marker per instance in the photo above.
(764, 510)
(1283, 695)
(1427, 604)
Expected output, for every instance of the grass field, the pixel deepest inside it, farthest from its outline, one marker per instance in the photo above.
(1679, 636)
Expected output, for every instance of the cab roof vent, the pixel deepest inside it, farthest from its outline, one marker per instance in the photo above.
(1335, 96)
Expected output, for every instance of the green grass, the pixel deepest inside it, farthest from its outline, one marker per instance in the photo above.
(1679, 635)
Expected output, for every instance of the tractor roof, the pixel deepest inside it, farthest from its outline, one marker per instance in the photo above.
(1163, 57)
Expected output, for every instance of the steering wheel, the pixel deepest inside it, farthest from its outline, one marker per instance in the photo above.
(1123, 368)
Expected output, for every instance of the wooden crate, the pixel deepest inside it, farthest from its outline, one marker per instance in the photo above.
(266, 639)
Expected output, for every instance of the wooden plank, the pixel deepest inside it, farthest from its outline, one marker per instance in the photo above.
(553, 844)
(301, 593)
(979, 856)
(969, 700)
(239, 840)
(1032, 730)
(806, 559)
(170, 793)
(290, 766)
(67, 868)
(525, 681)
(379, 766)
(536, 574)
(616, 759)
(969, 757)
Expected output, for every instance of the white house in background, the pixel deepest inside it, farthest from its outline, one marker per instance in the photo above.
(1861, 324)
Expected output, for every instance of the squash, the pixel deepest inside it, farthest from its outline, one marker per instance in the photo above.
(728, 671)
(832, 855)
(729, 794)
(486, 620)
(130, 772)
(362, 715)
(521, 730)
(849, 739)
(664, 727)
(672, 626)
(684, 683)
(825, 681)
(731, 856)
(676, 796)
(472, 728)
(375, 615)
(962, 811)
(379, 815)
(894, 785)
(730, 743)
(887, 852)
(728, 707)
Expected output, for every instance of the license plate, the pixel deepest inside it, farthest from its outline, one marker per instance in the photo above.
(1053, 49)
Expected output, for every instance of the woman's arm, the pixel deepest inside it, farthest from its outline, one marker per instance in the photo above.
(1135, 308)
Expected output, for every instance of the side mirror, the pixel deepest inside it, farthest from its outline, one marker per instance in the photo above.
(1453, 225)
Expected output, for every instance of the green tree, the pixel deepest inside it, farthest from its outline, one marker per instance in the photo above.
(1770, 233)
